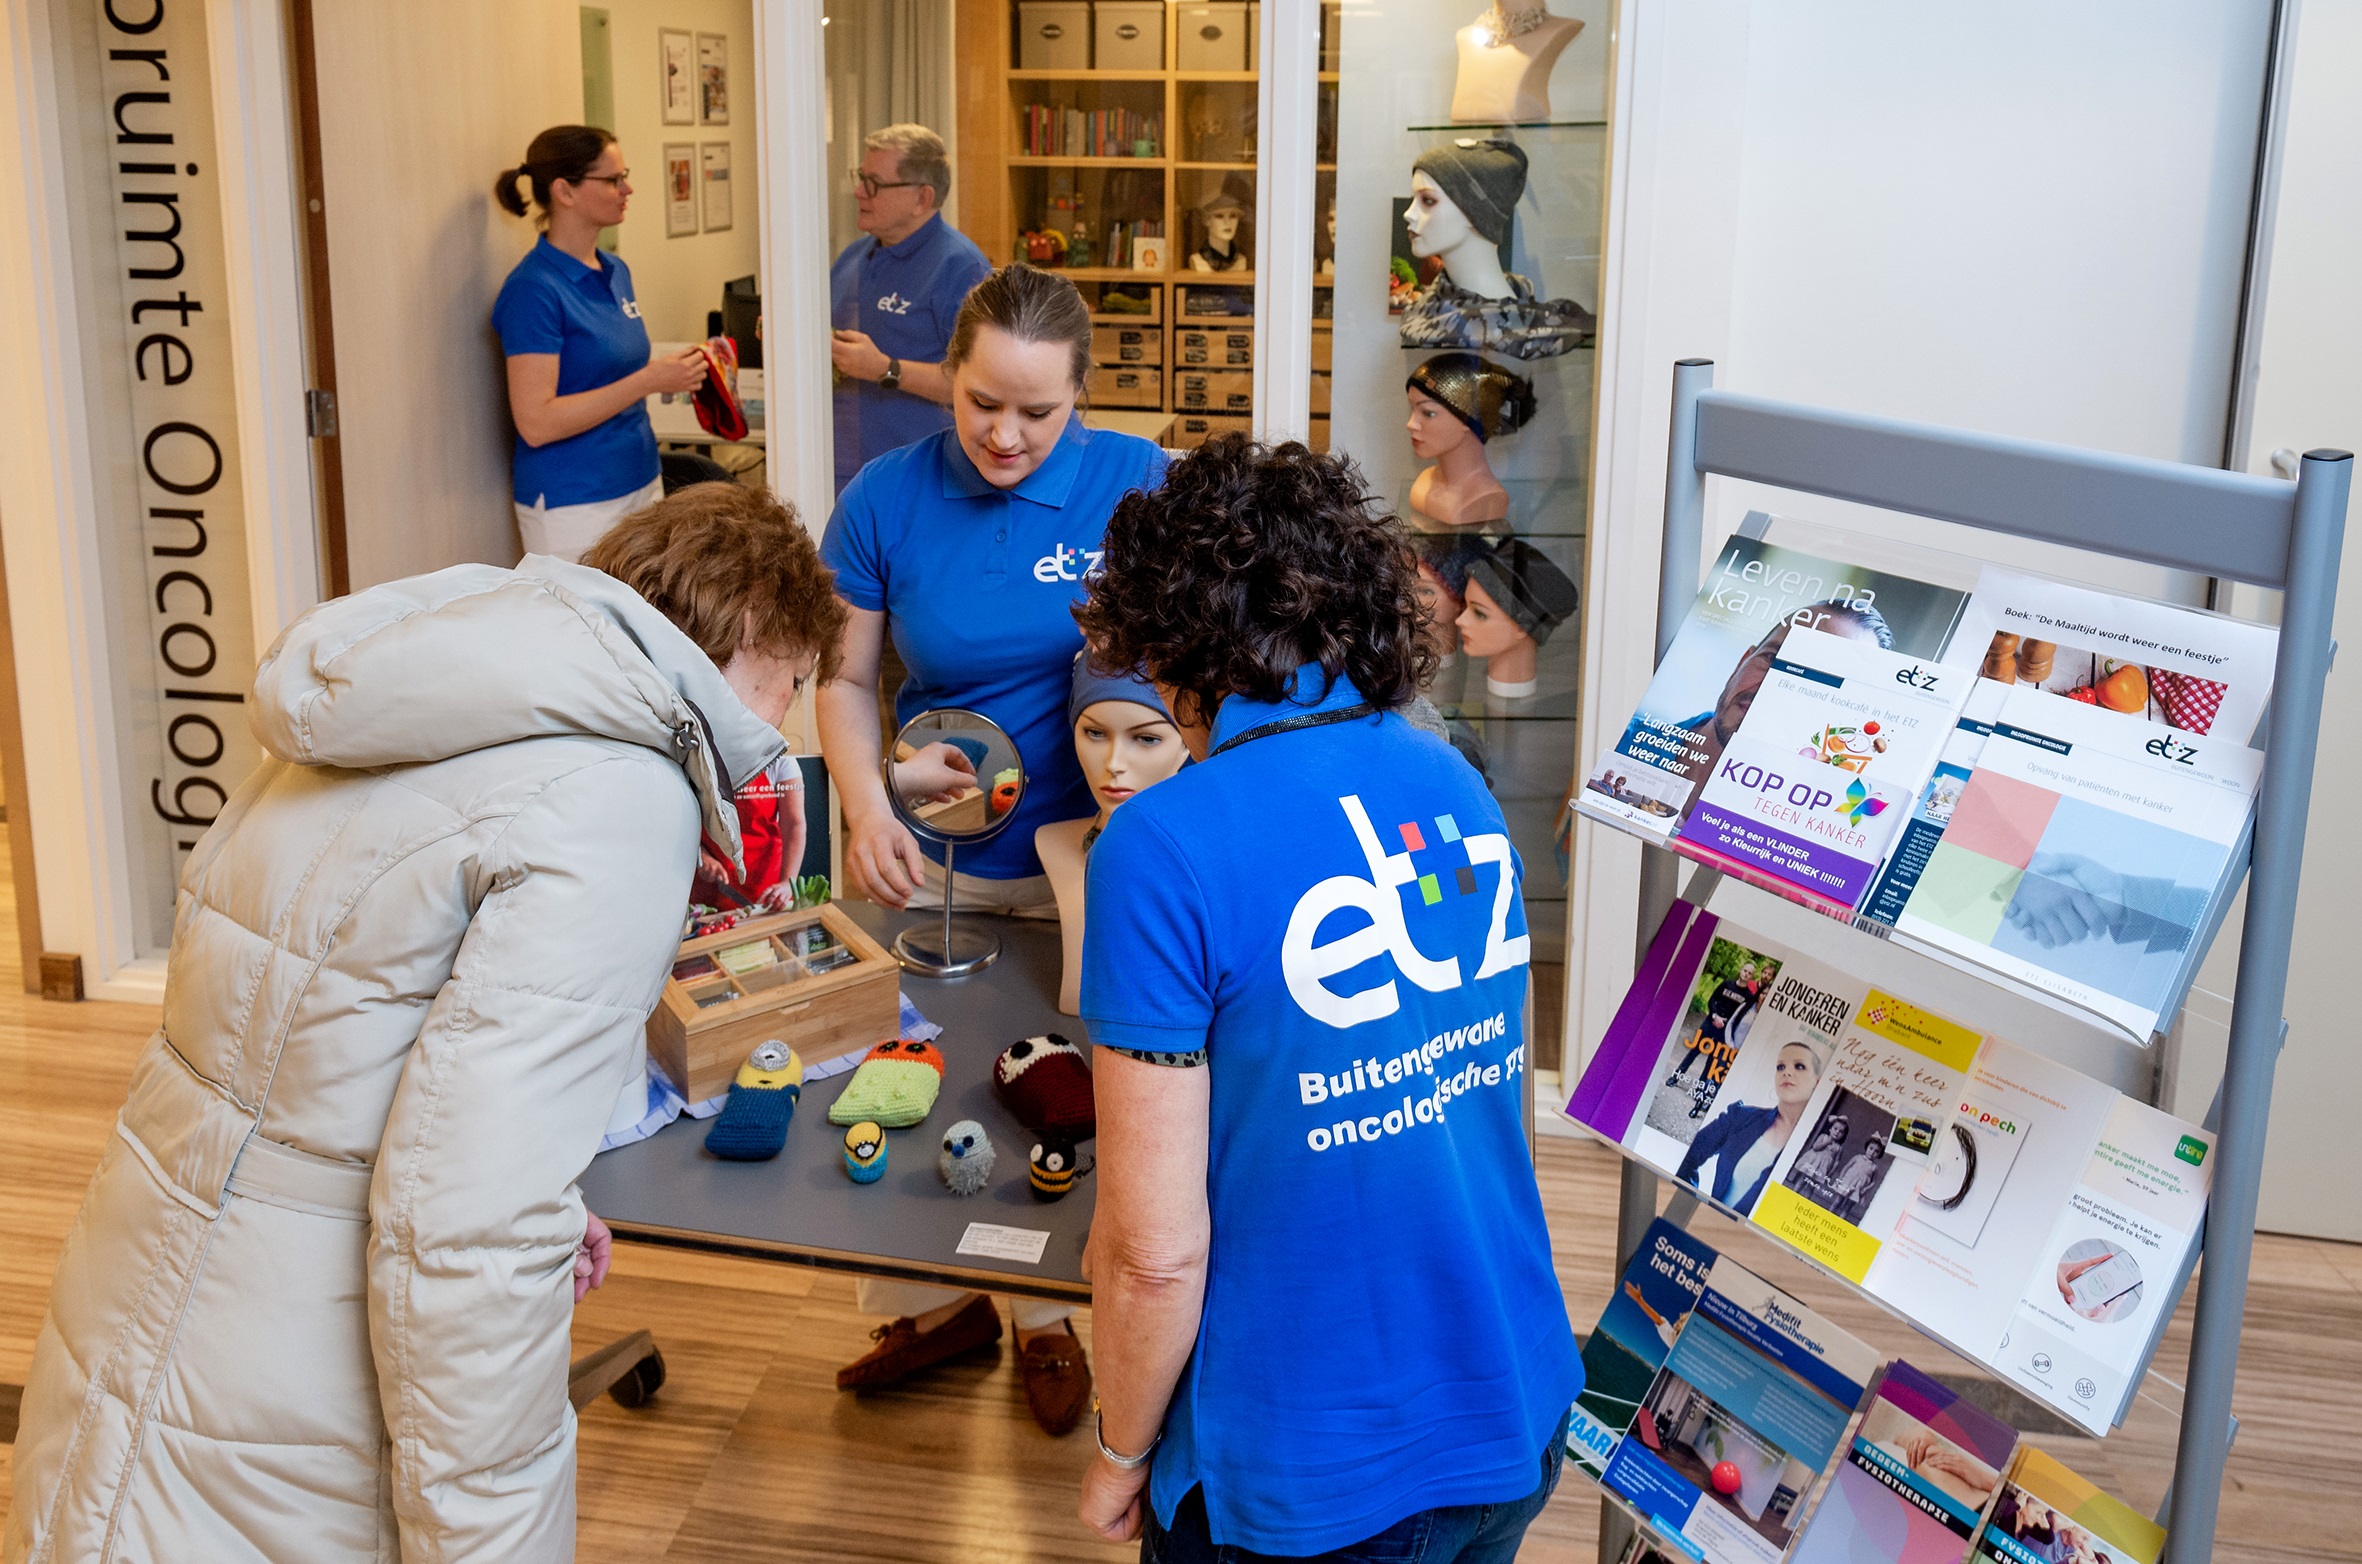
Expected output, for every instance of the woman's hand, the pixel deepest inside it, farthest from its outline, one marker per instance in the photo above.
(1112, 1500)
(592, 1256)
(674, 376)
(883, 860)
(937, 774)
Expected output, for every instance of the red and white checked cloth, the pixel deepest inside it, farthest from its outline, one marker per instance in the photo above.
(2190, 703)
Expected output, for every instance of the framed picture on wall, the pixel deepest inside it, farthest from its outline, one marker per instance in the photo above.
(713, 79)
(713, 173)
(680, 189)
(676, 63)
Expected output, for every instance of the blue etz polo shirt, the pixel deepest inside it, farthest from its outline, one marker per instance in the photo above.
(552, 303)
(978, 585)
(1333, 914)
(906, 296)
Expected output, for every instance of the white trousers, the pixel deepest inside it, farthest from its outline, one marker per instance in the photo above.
(567, 531)
(1029, 897)
(875, 1295)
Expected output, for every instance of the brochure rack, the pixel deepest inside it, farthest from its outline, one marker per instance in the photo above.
(2273, 534)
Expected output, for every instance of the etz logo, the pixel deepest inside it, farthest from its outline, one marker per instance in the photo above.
(1058, 565)
(631, 309)
(1307, 966)
(1915, 677)
(893, 304)
(2170, 748)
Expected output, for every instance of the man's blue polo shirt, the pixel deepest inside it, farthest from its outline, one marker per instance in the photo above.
(906, 297)
(552, 303)
(1332, 913)
(978, 585)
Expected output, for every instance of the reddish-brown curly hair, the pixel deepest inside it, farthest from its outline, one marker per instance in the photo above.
(1249, 562)
(731, 566)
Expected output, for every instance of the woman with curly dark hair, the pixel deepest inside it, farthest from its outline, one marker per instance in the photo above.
(1324, 1312)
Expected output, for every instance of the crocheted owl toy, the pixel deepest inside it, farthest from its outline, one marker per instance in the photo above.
(1047, 1085)
(894, 1085)
(966, 1162)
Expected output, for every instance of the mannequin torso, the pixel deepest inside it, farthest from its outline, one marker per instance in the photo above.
(1060, 846)
(1509, 81)
(1460, 489)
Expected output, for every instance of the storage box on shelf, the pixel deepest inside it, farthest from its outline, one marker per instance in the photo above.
(1231, 347)
(1128, 35)
(1054, 35)
(1214, 390)
(1127, 345)
(1192, 430)
(705, 1026)
(1112, 385)
(1214, 36)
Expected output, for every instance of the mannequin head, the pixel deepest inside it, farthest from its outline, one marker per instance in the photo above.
(1485, 629)
(1436, 431)
(1436, 223)
(1224, 213)
(1222, 228)
(1123, 734)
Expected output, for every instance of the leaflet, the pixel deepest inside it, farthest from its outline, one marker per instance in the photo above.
(2184, 668)
(1757, 1390)
(2045, 1513)
(2081, 1335)
(1754, 596)
(1813, 787)
(2084, 853)
(1841, 1185)
(1629, 1344)
(1932, 810)
(1916, 1480)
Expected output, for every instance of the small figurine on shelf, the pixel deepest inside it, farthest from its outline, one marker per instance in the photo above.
(1078, 246)
(1045, 247)
(1462, 197)
(1222, 215)
(1458, 403)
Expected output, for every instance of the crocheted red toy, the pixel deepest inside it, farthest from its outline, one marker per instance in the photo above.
(1047, 1085)
(716, 402)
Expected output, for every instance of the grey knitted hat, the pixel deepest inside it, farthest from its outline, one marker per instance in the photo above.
(1483, 178)
(1529, 588)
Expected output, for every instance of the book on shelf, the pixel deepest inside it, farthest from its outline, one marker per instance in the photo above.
(1753, 596)
(1628, 1345)
(1747, 1411)
(1917, 1480)
(1817, 780)
(2086, 854)
(2044, 1513)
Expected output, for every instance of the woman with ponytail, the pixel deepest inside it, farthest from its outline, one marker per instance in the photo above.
(578, 367)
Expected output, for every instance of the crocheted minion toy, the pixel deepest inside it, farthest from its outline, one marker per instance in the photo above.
(1050, 1169)
(763, 1096)
(1047, 1085)
(865, 1153)
(895, 1085)
(967, 1157)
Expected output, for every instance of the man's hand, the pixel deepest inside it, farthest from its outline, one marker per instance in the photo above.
(882, 860)
(1112, 1500)
(855, 356)
(592, 1255)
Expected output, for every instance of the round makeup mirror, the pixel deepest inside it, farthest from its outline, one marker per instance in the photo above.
(954, 777)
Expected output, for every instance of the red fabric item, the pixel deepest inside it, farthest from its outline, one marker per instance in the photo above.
(1047, 1085)
(2191, 703)
(718, 412)
(760, 839)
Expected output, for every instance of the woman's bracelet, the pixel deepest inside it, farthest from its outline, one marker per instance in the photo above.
(1124, 1463)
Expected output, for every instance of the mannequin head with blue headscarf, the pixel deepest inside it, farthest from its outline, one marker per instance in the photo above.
(1123, 734)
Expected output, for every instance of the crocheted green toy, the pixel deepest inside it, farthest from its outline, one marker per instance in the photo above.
(895, 1085)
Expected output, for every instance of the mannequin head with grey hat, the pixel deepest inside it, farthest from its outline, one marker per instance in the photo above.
(1458, 404)
(1462, 195)
(1515, 598)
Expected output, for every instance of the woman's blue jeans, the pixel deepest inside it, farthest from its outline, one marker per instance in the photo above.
(1454, 1534)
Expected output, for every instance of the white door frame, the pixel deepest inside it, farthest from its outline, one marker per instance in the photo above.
(791, 129)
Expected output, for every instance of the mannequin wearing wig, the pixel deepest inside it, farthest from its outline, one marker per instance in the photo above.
(1125, 739)
(1458, 402)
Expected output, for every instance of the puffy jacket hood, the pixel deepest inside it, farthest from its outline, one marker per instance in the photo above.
(438, 665)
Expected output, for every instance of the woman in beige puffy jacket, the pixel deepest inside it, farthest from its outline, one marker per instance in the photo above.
(315, 1307)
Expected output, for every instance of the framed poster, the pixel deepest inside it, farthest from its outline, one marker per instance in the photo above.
(713, 172)
(713, 79)
(680, 189)
(676, 63)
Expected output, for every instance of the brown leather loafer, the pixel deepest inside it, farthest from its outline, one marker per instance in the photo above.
(903, 1349)
(1057, 1380)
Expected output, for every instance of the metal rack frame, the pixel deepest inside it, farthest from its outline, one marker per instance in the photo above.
(2274, 534)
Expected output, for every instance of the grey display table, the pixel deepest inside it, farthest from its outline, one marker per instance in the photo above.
(801, 1207)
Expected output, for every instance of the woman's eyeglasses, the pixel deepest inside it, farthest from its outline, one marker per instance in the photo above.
(870, 184)
(616, 180)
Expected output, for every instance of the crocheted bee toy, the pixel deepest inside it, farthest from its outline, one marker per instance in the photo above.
(895, 1085)
(1051, 1169)
(763, 1096)
(1006, 785)
(1047, 1085)
(966, 1162)
(865, 1153)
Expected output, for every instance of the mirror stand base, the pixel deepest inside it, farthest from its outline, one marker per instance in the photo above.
(932, 951)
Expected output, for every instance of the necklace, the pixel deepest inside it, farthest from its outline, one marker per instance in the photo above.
(1497, 27)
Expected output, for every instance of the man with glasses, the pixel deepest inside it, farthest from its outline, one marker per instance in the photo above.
(893, 295)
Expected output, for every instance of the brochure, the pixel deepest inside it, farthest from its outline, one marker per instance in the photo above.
(2082, 1333)
(1916, 1480)
(1594, 1096)
(1748, 1409)
(2084, 854)
(2045, 1513)
(1841, 1185)
(1932, 810)
(1628, 1345)
(1754, 595)
(2182, 668)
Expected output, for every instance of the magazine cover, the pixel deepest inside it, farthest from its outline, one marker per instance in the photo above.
(2183, 668)
(1839, 1187)
(2084, 852)
(1628, 1345)
(1753, 595)
(2046, 1513)
(1932, 810)
(2081, 1336)
(1747, 1411)
(1916, 1480)
(1812, 788)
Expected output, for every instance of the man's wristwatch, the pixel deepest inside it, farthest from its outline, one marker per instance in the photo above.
(1123, 1463)
(892, 378)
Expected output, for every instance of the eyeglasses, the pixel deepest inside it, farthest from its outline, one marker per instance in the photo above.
(870, 184)
(616, 180)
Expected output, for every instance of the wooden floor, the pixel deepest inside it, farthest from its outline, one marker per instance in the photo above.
(750, 1454)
